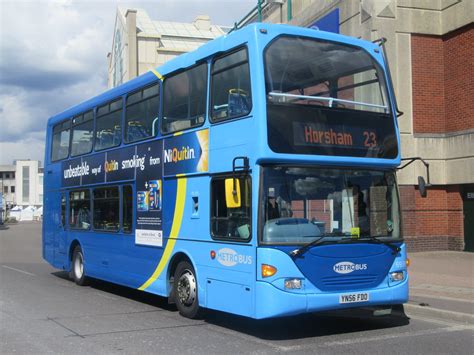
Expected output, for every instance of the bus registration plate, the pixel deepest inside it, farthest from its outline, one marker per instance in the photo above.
(354, 297)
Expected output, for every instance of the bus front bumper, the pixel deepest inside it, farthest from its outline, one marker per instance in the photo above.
(274, 302)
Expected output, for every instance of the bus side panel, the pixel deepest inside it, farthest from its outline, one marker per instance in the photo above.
(48, 225)
(142, 266)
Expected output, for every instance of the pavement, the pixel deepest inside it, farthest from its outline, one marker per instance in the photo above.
(442, 285)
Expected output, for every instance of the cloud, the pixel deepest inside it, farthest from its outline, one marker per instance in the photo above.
(53, 56)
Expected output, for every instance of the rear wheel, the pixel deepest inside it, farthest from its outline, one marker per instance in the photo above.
(185, 290)
(77, 267)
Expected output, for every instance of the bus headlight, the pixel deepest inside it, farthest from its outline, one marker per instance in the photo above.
(397, 276)
(292, 284)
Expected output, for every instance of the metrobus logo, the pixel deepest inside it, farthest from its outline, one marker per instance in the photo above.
(346, 267)
(229, 257)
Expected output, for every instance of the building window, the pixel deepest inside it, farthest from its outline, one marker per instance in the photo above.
(228, 222)
(60, 145)
(107, 209)
(141, 115)
(82, 133)
(40, 179)
(7, 176)
(108, 130)
(184, 99)
(79, 209)
(26, 183)
(5, 189)
(12, 189)
(127, 208)
(231, 96)
(118, 61)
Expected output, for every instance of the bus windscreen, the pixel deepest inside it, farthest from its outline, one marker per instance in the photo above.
(327, 99)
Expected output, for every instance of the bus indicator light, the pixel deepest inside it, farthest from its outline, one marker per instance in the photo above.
(213, 254)
(268, 270)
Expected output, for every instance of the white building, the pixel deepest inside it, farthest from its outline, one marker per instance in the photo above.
(140, 44)
(7, 184)
(22, 183)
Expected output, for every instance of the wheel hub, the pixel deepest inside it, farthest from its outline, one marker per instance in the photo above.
(186, 288)
(78, 266)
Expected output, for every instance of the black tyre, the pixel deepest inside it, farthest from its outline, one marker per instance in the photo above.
(185, 290)
(77, 267)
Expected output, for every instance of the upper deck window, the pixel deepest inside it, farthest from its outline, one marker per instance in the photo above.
(60, 144)
(82, 133)
(327, 98)
(315, 72)
(108, 131)
(184, 100)
(231, 96)
(141, 114)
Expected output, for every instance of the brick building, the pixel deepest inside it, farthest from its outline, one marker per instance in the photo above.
(431, 49)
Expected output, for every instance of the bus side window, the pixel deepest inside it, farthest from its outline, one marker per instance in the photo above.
(108, 129)
(79, 209)
(228, 222)
(141, 114)
(184, 99)
(82, 134)
(230, 93)
(60, 143)
(127, 208)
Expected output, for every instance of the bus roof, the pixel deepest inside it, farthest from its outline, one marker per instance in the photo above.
(221, 44)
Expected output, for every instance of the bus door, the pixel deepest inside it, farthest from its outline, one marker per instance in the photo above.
(229, 284)
(60, 234)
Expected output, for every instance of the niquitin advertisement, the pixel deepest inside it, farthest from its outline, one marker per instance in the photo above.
(149, 189)
(187, 153)
(146, 163)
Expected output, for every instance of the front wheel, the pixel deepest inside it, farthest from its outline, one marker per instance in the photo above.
(185, 290)
(77, 267)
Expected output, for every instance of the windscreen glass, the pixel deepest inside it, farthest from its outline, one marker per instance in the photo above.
(326, 98)
(300, 204)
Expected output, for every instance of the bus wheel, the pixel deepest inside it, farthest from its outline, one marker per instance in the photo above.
(185, 290)
(77, 267)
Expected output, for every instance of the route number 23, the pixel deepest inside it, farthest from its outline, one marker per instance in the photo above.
(370, 139)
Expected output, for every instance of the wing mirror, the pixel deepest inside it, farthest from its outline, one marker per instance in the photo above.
(422, 186)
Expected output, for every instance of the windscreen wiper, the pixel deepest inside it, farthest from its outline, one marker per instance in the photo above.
(301, 250)
(374, 239)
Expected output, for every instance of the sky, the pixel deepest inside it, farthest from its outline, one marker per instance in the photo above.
(53, 55)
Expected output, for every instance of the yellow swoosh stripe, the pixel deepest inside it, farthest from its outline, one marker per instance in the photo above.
(158, 75)
(177, 219)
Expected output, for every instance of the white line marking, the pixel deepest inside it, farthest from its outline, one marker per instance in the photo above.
(22, 271)
(380, 337)
(416, 294)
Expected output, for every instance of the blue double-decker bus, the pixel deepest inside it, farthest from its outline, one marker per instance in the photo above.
(255, 175)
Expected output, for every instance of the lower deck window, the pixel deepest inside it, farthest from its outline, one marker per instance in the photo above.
(79, 213)
(127, 205)
(107, 209)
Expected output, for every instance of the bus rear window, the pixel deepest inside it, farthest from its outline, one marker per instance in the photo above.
(60, 144)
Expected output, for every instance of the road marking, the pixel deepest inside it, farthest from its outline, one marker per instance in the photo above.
(22, 271)
(457, 328)
(416, 294)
